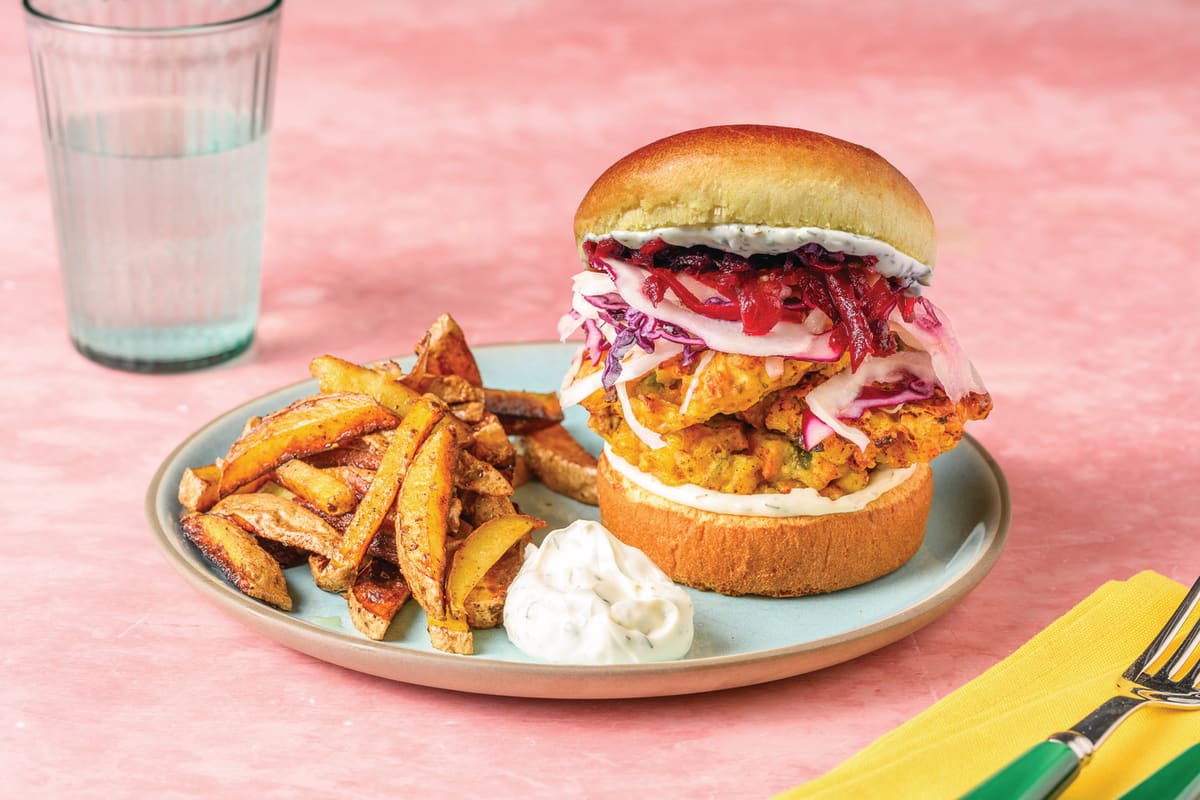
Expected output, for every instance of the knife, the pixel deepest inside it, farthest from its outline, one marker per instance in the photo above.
(1179, 779)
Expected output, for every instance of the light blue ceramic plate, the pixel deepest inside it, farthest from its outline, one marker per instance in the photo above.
(739, 640)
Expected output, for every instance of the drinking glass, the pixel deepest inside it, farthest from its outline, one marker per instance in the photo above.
(156, 119)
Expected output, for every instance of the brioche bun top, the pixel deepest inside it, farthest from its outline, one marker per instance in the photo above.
(759, 175)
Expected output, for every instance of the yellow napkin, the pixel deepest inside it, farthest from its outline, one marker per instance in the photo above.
(1049, 684)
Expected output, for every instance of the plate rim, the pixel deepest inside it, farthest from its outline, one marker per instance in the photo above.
(557, 681)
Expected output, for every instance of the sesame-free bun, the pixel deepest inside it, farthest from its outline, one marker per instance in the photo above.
(759, 175)
(774, 556)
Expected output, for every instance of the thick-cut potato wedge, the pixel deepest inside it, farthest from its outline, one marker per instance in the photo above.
(521, 473)
(479, 552)
(480, 508)
(335, 375)
(357, 478)
(322, 574)
(485, 604)
(444, 351)
(281, 520)
(383, 544)
(451, 388)
(489, 441)
(345, 457)
(234, 552)
(476, 475)
(376, 597)
(469, 412)
(423, 508)
(305, 427)
(198, 487)
(287, 555)
(523, 412)
(445, 635)
(561, 463)
(371, 510)
(316, 487)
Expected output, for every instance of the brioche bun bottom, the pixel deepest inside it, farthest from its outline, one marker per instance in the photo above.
(773, 556)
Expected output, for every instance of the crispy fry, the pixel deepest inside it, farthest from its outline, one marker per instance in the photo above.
(521, 472)
(234, 552)
(468, 412)
(489, 441)
(479, 553)
(335, 375)
(281, 520)
(523, 412)
(378, 594)
(561, 463)
(357, 478)
(485, 604)
(345, 457)
(423, 509)
(390, 484)
(322, 575)
(305, 427)
(445, 635)
(444, 351)
(479, 476)
(480, 508)
(318, 488)
(198, 487)
(287, 555)
(396, 462)
(451, 388)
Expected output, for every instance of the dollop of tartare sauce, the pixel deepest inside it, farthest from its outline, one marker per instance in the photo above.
(747, 240)
(584, 597)
(798, 502)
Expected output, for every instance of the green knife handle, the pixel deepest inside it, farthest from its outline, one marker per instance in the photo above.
(1178, 780)
(1040, 772)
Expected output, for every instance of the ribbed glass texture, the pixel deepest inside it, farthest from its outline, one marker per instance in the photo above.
(156, 117)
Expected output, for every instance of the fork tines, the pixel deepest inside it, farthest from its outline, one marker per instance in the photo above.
(1163, 641)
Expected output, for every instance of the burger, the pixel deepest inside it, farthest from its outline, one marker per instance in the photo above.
(758, 356)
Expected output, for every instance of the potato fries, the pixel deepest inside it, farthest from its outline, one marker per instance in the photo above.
(388, 485)
(561, 463)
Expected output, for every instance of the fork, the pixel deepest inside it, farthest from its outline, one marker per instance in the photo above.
(1047, 768)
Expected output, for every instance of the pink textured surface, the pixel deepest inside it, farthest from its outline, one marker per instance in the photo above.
(432, 160)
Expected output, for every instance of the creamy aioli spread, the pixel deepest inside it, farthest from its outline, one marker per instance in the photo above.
(584, 597)
(747, 240)
(796, 503)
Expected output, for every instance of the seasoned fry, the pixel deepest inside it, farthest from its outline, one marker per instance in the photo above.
(450, 388)
(357, 478)
(280, 520)
(489, 441)
(378, 594)
(336, 375)
(423, 508)
(479, 552)
(444, 351)
(468, 412)
(485, 604)
(234, 552)
(523, 412)
(414, 428)
(476, 475)
(345, 457)
(198, 487)
(389, 484)
(305, 427)
(561, 463)
(317, 487)
(480, 508)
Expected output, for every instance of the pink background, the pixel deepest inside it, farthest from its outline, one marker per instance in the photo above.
(430, 159)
